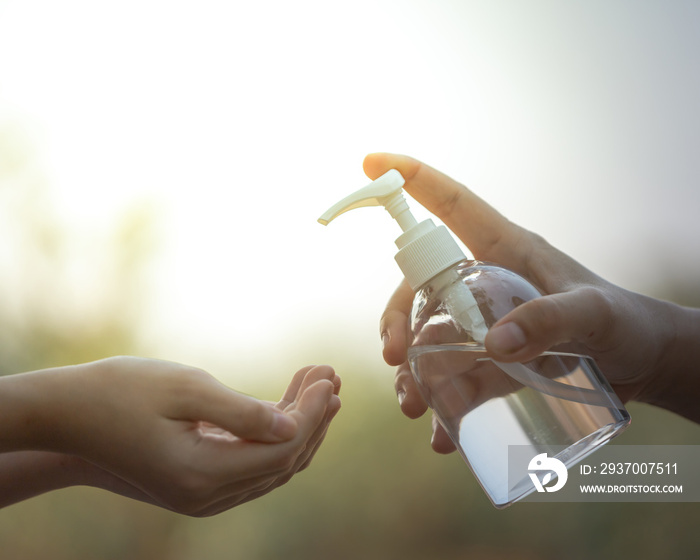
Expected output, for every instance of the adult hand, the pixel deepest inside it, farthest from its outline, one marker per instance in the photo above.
(634, 339)
(165, 433)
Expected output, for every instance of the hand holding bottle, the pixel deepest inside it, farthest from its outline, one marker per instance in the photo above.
(644, 346)
(157, 432)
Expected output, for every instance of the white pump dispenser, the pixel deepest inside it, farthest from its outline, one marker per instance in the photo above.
(424, 249)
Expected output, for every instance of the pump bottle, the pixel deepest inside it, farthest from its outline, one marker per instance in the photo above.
(501, 417)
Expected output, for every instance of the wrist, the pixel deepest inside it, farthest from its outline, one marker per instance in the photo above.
(675, 384)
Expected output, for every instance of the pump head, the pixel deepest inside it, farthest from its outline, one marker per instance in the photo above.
(385, 191)
(424, 250)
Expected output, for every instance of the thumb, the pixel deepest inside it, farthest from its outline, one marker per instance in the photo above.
(582, 315)
(242, 415)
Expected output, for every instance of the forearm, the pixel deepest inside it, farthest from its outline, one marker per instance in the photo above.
(25, 474)
(27, 468)
(676, 387)
(31, 412)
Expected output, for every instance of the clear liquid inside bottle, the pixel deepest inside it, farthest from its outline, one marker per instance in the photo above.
(484, 410)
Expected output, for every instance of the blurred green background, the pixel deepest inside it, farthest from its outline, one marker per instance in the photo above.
(374, 491)
(162, 165)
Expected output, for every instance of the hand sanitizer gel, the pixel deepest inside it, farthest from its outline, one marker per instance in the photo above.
(504, 419)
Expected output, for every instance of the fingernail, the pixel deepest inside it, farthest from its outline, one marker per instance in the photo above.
(506, 339)
(283, 426)
(385, 339)
(401, 394)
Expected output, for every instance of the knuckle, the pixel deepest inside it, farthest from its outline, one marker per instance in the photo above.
(254, 417)
(403, 377)
(451, 204)
(598, 299)
(536, 255)
(546, 315)
(537, 242)
(601, 306)
(188, 381)
(194, 376)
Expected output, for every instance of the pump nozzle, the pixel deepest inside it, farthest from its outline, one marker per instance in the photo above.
(385, 191)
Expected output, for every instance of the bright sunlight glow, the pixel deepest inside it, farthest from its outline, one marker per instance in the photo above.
(239, 123)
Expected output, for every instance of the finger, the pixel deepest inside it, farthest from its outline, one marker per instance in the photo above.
(305, 458)
(393, 326)
(304, 378)
(325, 372)
(337, 384)
(332, 410)
(486, 232)
(410, 399)
(317, 405)
(293, 388)
(583, 315)
(311, 407)
(314, 441)
(246, 417)
(441, 442)
(311, 376)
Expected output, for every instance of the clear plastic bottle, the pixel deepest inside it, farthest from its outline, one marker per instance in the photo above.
(558, 404)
